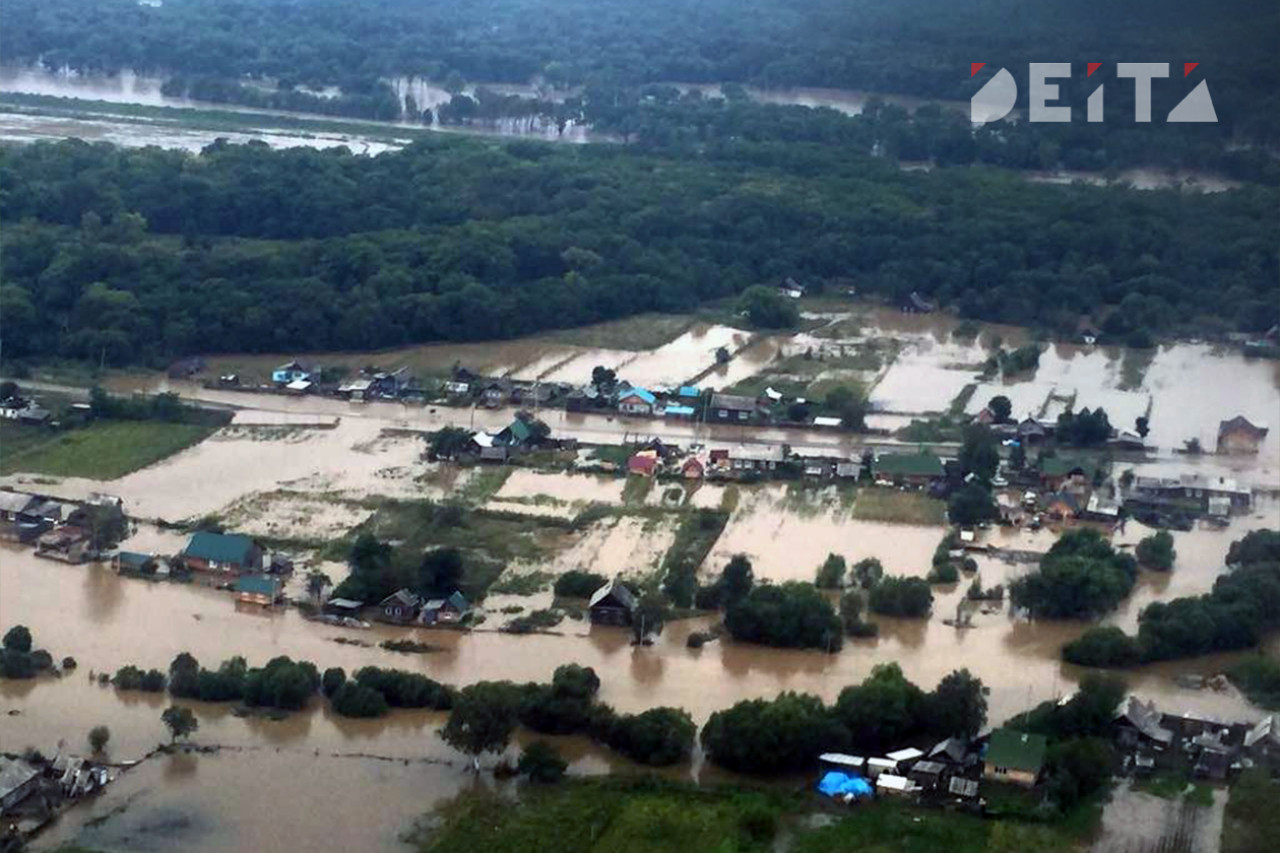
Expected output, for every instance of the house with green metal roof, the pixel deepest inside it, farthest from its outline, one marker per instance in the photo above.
(1059, 472)
(222, 552)
(908, 469)
(1015, 757)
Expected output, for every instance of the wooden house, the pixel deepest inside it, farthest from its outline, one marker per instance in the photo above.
(909, 469)
(445, 611)
(400, 607)
(1239, 435)
(231, 553)
(734, 408)
(636, 401)
(290, 371)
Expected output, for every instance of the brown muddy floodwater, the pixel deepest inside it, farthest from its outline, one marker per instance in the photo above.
(290, 783)
(301, 465)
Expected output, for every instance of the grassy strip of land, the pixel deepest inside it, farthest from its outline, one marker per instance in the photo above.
(641, 332)
(1252, 819)
(882, 504)
(104, 450)
(229, 119)
(655, 816)
(618, 816)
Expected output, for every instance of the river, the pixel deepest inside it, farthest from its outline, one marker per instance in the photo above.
(129, 87)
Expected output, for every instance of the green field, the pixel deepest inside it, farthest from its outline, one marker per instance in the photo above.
(1252, 820)
(617, 816)
(884, 504)
(101, 451)
(593, 816)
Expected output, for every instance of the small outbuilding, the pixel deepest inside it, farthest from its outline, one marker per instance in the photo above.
(612, 604)
(263, 590)
(1015, 757)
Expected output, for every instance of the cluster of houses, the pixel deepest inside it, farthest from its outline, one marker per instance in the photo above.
(32, 791)
(59, 530)
(1210, 748)
(954, 769)
(296, 378)
(951, 770)
(402, 607)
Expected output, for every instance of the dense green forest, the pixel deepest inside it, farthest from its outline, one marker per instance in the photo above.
(140, 255)
(915, 47)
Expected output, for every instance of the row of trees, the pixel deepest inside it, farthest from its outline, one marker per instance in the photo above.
(1243, 604)
(457, 239)
(612, 43)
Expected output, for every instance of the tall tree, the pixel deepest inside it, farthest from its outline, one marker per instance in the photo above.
(483, 717)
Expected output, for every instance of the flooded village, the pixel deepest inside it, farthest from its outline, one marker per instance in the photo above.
(619, 466)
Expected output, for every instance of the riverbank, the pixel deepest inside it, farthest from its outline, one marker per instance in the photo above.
(654, 816)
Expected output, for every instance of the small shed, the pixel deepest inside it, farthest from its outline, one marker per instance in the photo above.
(876, 766)
(257, 589)
(841, 761)
(888, 783)
(343, 607)
(962, 787)
(644, 463)
(612, 604)
(927, 774)
(905, 756)
(133, 561)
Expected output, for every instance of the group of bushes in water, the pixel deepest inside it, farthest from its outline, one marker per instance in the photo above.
(18, 657)
(1243, 603)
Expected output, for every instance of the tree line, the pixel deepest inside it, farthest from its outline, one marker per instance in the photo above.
(137, 256)
(915, 47)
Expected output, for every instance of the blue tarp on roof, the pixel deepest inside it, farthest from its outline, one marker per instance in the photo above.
(680, 411)
(688, 391)
(837, 784)
(641, 393)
